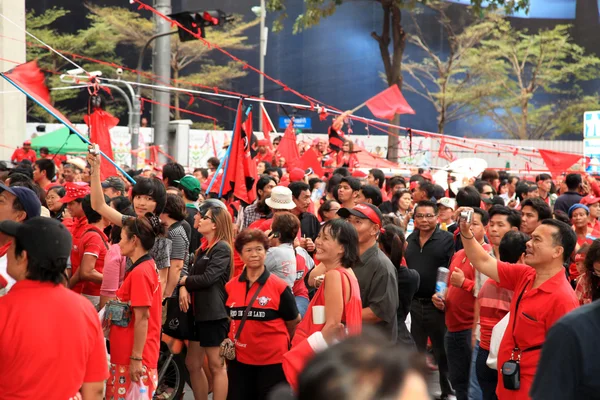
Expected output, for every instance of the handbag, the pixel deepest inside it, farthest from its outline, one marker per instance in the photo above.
(178, 323)
(227, 348)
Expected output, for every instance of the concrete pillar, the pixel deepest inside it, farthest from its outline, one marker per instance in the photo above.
(13, 111)
(179, 140)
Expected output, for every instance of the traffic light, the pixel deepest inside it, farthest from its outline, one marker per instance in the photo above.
(198, 21)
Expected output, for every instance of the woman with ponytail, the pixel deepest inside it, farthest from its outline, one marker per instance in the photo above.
(392, 243)
(135, 344)
(204, 290)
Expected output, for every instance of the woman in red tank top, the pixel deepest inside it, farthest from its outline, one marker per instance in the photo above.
(336, 308)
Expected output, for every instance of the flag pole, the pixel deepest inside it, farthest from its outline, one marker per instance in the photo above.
(358, 107)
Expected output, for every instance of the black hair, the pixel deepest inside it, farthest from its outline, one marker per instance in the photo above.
(333, 183)
(343, 171)
(263, 181)
(367, 363)
(560, 215)
(121, 203)
(542, 177)
(543, 210)
(373, 193)
(45, 269)
(152, 187)
(44, 150)
(593, 256)
(29, 184)
(16, 177)
(512, 246)
(389, 219)
(468, 197)
(312, 183)
(396, 180)
(392, 239)
(203, 172)
(489, 175)
(565, 237)
(172, 172)
(47, 166)
(146, 228)
(428, 188)
(396, 198)
(214, 162)
(379, 177)
(325, 207)
(286, 225)
(512, 217)
(485, 217)
(297, 188)
(345, 234)
(524, 187)
(60, 190)
(175, 207)
(497, 200)
(438, 192)
(274, 169)
(267, 164)
(417, 178)
(573, 181)
(115, 230)
(250, 235)
(481, 184)
(91, 215)
(352, 182)
(427, 203)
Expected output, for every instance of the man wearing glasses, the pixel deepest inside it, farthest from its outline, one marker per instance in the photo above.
(429, 248)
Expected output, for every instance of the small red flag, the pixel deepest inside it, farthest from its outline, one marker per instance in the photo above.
(310, 160)
(558, 162)
(288, 148)
(267, 126)
(31, 78)
(388, 103)
(100, 123)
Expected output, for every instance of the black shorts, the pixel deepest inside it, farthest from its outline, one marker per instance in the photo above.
(210, 333)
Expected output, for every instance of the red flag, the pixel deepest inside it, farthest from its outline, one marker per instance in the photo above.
(267, 126)
(100, 122)
(288, 148)
(388, 103)
(444, 152)
(310, 160)
(240, 174)
(31, 78)
(558, 162)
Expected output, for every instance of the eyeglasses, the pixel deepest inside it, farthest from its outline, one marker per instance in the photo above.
(423, 216)
(488, 193)
(206, 216)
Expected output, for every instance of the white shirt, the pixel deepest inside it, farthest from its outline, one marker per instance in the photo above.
(4, 274)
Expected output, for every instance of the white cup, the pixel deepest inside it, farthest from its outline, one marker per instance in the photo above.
(318, 315)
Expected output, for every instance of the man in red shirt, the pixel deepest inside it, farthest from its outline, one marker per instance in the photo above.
(43, 173)
(459, 305)
(24, 153)
(51, 340)
(542, 295)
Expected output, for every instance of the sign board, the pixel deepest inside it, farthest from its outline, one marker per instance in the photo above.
(299, 122)
(591, 139)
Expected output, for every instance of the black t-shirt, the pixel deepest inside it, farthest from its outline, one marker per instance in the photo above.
(195, 236)
(569, 367)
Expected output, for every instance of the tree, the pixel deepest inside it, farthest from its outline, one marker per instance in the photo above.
(90, 42)
(189, 60)
(446, 82)
(537, 75)
(392, 34)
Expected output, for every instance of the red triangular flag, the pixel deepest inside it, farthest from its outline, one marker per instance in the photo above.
(288, 148)
(310, 160)
(559, 162)
(30, 78)
(267, 126)
(388, 103)
(100, 122)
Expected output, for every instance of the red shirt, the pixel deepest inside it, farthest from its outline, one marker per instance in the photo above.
(494, 304)
(539, 309)
(51, 342)
(20, 154)
(95, 243)
(299, 288)
(460, 302)
(58, 159)
(141, 288)
(77, 226)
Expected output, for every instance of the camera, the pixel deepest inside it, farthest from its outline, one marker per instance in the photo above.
(120, 71)
(466, 216)
(94, 149)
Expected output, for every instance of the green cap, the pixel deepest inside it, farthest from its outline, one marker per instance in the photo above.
(190, 183)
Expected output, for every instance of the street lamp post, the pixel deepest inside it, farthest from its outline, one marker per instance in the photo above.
(262, 14)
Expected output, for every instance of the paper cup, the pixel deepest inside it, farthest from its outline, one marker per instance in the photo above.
(318, 315)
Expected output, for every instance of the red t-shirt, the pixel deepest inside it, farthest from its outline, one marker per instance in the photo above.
(141, 288)
(93, 242)
(77, 226)
(539, 309)
(20, 154)
(460, 302)
(51, 342)
(299, 288)
(494, 304)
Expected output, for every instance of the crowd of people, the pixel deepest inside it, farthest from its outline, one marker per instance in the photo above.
(324, 287)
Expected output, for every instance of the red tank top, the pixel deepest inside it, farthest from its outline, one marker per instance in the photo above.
(351, 315)
(299, 288)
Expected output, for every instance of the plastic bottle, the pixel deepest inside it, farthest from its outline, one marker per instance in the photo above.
(442, 280)
(443, 226)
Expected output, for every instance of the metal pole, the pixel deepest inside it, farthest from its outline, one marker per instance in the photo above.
(161, 63)
(261, 78)
(137, 104)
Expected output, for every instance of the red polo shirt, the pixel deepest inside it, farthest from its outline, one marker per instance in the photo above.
(95, 243)
(538, 310)
(51, 342)
(20, 154)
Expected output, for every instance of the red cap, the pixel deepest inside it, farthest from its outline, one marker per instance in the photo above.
(75, 190)
(27, 143)
(589, 200)
(263, 142)
(414, 185)
(427, 175)
(359, 174)
(579, 257)
(296, 174)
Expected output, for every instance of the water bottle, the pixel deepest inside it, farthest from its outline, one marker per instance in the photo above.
(441, 282)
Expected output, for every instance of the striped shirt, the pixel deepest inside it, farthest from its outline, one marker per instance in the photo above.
(494, 304)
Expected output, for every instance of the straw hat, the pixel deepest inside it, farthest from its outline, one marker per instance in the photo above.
(281, 199)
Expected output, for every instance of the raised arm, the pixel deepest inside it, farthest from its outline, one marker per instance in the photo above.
(97, 194)
(481, 259)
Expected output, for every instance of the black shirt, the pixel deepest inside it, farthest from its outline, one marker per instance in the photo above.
(569, 367)
(195, 235)
(378, 284)
(566, 200)
(408, 284)
(437, 252)
(309, 226)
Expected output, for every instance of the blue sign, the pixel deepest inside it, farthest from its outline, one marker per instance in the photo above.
(299, 122)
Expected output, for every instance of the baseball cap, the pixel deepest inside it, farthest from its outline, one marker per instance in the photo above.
(363, 210)
(447, 202)
(27, 143)
(28, 199)
(114, 182)
(296, 174)
(74, 191)
(263, 142)
(42, 238)
(190, 183)
(589, 200)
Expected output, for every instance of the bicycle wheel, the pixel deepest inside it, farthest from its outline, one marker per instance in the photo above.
(172, 382)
